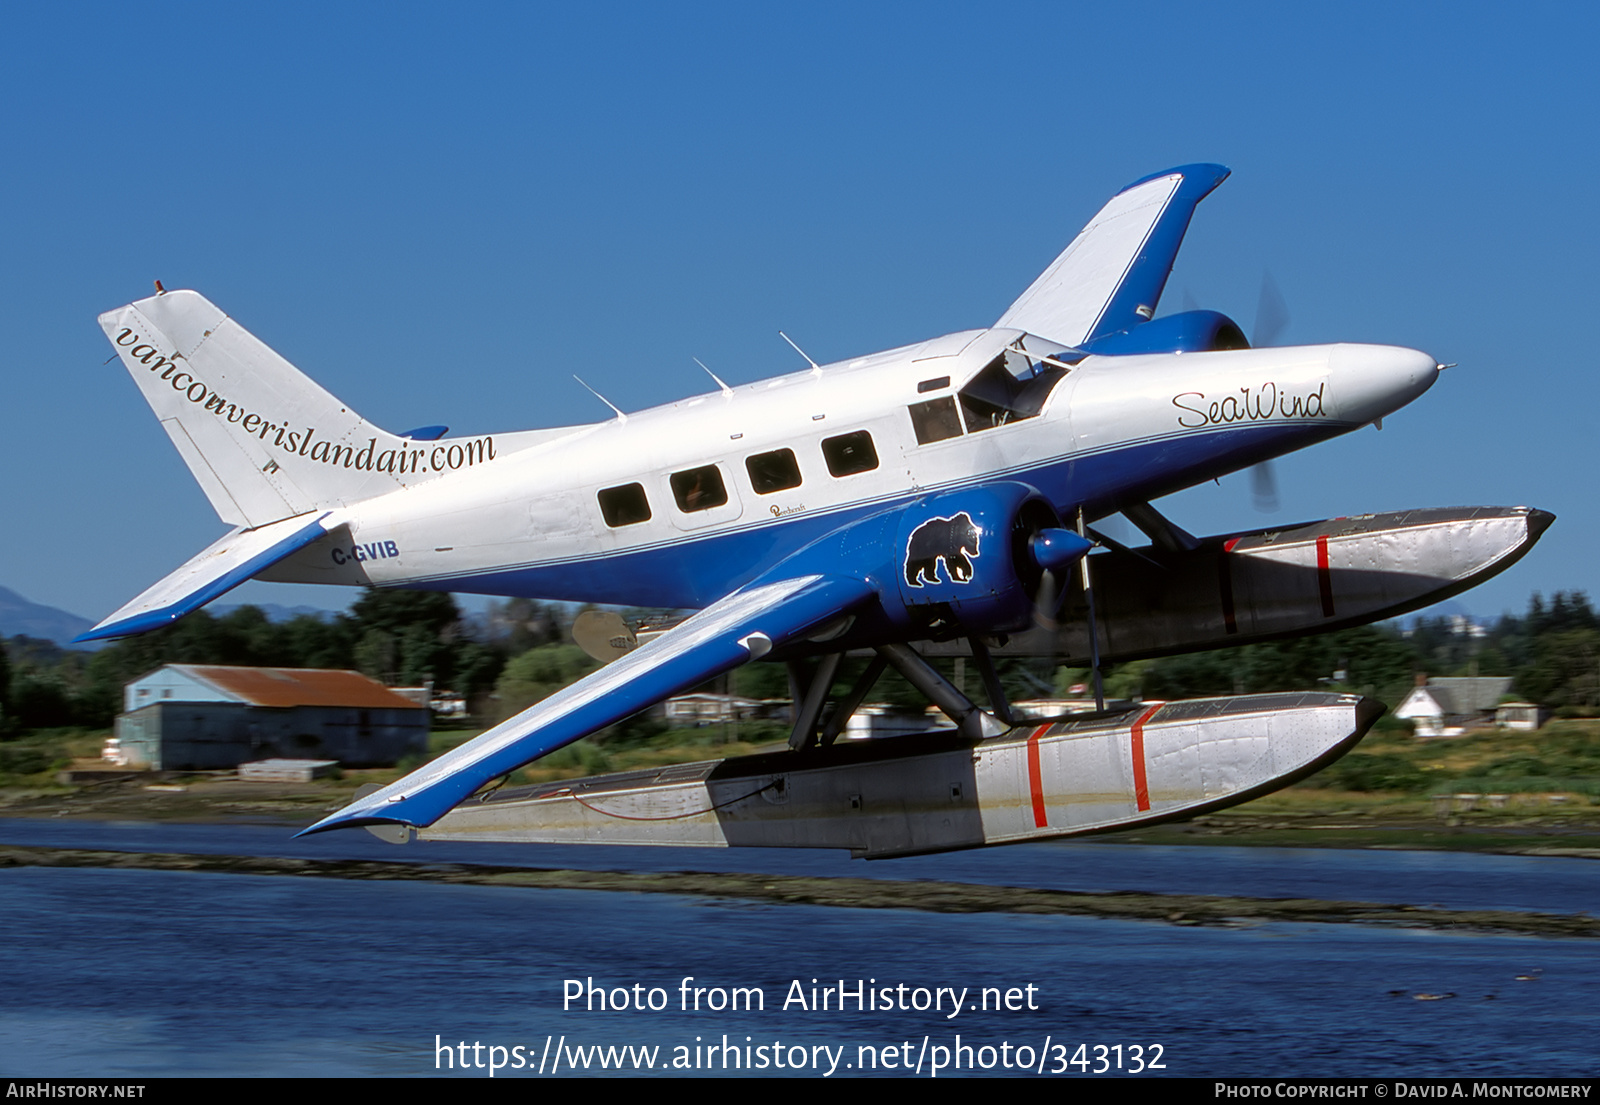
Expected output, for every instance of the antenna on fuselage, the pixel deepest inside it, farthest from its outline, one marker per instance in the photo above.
(620, 416)
(815, 367)
(727, 392)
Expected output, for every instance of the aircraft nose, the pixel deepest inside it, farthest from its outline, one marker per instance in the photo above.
(1371, 381)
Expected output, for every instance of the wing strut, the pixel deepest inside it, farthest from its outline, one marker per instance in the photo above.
(1159, 528)
(1094, 627)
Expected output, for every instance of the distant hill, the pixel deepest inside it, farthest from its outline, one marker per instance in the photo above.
(19, 616)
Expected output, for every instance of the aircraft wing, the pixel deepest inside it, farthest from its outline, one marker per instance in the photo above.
(215, 570)
(1112, 275)
(730, 632)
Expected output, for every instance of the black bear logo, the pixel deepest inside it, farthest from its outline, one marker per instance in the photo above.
(953, 540)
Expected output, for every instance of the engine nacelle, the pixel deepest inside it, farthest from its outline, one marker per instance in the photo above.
(972, 561)
(1189, 332)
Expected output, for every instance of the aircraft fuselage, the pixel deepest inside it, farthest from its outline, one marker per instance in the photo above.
(677, 505)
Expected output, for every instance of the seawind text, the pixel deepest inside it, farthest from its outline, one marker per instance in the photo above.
(1257, 404)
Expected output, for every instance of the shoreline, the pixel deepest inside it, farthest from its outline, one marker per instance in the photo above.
(852, 893)
(1282, 820)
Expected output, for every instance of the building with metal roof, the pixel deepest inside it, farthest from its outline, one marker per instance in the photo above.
(1448, 707)
(199, 717)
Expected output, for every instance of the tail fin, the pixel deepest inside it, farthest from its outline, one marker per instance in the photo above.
(1112, 275)
(264, 441)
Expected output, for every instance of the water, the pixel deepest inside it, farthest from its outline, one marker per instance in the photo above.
(1453, 880)
(133, 974)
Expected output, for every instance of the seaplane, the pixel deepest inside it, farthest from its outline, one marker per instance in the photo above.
(937, 498)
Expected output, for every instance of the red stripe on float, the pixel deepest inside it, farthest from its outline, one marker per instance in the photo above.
(1141, 786)
(1324, 576)
(1035, 778)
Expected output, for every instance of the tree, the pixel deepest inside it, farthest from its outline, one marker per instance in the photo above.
(539, 673)
(406, 637)
(395, 611)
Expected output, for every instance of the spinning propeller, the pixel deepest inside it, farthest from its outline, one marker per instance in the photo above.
(1272, 319)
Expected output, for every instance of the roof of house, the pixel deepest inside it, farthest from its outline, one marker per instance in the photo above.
(1469, 695)
(297, 686)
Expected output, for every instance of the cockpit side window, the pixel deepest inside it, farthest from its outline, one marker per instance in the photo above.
(1005, 392)
(935, 420)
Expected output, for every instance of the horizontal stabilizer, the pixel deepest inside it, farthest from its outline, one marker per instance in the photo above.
(739, 628)
(215, 571)
(1112, 275)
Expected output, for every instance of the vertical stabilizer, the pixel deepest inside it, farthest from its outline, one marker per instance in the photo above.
(1111, 277)
(263, 439)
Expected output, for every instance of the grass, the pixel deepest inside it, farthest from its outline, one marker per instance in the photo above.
(1562, 758)
(33, 759)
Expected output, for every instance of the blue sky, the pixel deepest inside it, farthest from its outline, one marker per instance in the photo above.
(442, 213)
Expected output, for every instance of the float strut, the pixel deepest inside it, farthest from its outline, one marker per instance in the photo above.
(991, 680)
(805, 722)
(851, 702)
(960, 709)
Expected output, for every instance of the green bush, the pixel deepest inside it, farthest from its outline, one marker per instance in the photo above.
(1521, 784)
(30, 759)
(580, 754)
(1367, 772)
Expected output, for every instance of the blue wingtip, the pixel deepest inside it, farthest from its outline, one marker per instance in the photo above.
(335, 821)
(426, 433)
(416, 810)
(1200, 174)
(1135, 300)
(208, 590)
(132, 627)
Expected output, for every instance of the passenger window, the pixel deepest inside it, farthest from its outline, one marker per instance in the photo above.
(849, 454)
(699, 489)
(935, 420)
(774, 471)
(624, 506)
